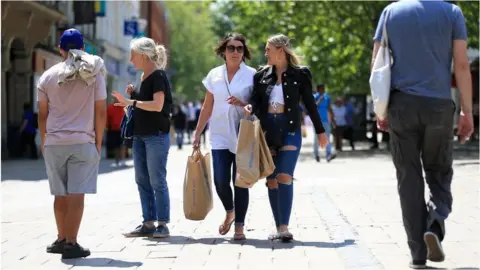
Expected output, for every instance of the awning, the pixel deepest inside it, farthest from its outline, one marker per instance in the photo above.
(29, 21)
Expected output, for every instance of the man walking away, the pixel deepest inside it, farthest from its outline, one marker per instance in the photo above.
(423, 37)
(72, 114)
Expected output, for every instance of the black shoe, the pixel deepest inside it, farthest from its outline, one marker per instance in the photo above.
(74, 251)
(434, 247)
(317, 158)
(56, 247)
(418, 264)
(331, 157)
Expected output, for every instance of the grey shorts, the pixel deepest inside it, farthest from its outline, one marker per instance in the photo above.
(72, 169)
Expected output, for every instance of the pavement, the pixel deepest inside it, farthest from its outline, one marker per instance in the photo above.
(346, 215)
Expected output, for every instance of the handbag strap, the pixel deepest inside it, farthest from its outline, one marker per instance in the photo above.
(384, 30)
(225, 78)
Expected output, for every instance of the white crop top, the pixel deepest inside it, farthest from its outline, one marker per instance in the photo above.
(277, 95)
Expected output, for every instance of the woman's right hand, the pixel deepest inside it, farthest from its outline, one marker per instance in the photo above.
(130, 89)
(247, 110)
(196, 140)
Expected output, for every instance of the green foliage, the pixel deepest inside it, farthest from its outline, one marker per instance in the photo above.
(191, 47)
(470, 11)
(334, 37)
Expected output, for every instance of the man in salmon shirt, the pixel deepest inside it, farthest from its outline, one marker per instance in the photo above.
(114, 140)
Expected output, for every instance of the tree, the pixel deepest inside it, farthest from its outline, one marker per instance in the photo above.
(191, 47)
(334, 38)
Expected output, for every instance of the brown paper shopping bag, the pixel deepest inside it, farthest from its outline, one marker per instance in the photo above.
(197, 187)
(248, 153)
(266, 161)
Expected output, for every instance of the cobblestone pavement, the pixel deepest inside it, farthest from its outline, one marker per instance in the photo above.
(346, 216)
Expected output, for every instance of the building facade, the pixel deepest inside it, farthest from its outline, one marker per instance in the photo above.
(25, 24)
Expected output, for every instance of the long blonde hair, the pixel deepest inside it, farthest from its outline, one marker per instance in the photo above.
(282, 41)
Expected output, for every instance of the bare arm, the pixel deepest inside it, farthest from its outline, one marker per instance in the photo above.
(100, 121)
(205, 113)
(24, 125)
(42, 120)
(462, 75)
(156, 105)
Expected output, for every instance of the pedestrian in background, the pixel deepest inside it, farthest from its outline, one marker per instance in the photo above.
(152, 105)
(180, 125)
(28, 132)
(228, 91)
(324, 108)
(420, 114)
(71, 118)
(114, 140)
(278, 89)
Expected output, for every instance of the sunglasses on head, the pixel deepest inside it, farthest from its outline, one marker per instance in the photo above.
(231, 49)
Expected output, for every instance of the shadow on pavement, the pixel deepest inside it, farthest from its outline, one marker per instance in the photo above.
(257, 243)
(363, 154)
(456, 268)
(101, 262)
(34, 170)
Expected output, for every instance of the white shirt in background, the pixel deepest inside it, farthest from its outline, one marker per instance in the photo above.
(340, 113)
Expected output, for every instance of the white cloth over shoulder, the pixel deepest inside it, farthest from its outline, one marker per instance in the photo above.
(225, 119)
(80, 64)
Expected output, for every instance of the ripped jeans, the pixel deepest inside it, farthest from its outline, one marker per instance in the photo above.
(280, 184)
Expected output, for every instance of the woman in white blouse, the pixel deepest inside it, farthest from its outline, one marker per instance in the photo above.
(228, 91)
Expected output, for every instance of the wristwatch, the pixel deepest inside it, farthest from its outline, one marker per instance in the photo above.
(134, 103)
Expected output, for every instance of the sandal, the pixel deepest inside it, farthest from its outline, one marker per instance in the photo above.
(225, 227)
(239, 236)
(285, 236)
(274, 236)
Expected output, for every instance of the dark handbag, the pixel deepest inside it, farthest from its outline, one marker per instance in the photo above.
(126, 126)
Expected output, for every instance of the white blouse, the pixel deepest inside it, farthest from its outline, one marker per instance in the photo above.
(225, 118)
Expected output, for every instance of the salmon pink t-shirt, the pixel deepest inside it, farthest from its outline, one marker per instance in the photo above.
(71, 107)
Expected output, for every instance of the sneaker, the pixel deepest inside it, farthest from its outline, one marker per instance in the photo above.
(56, 247)
(161, 232)
(434, 247)
(141, 231)
(418, 264)
(74, 251)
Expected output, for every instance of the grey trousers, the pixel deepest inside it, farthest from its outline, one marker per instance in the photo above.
(421, 139)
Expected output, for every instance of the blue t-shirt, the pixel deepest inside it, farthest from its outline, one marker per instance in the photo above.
(323, 106)
(420, 35)
(350, 113)
(29, 128)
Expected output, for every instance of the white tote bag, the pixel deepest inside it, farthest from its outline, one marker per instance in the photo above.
(381, 76)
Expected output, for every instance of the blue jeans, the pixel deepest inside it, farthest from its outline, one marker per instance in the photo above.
(150, 160)
(179, 133)
(281, 198)
(224, 170)
(328, 130)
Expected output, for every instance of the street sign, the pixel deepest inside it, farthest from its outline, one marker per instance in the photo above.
(130, 28)
(100, 7)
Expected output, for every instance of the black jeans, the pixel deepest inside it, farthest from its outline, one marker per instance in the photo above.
(28, 140)
(421, 139)
(224, 173)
